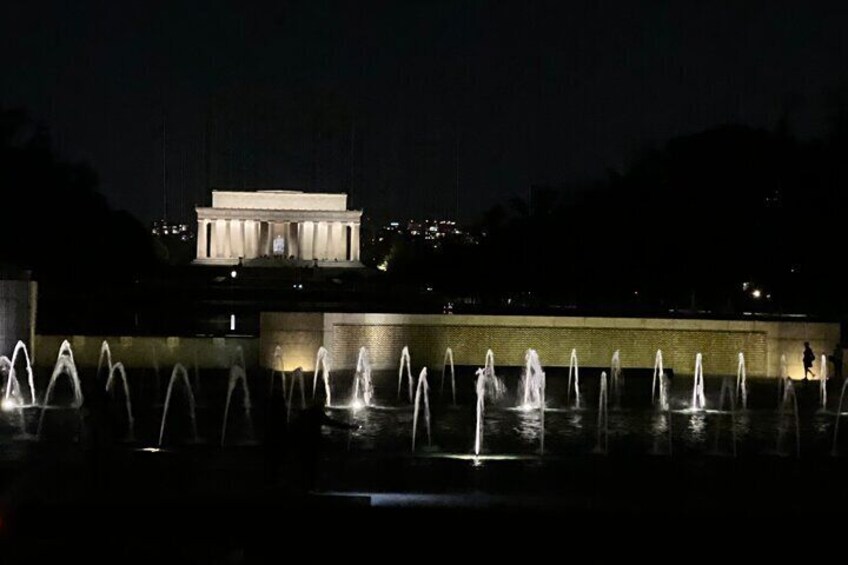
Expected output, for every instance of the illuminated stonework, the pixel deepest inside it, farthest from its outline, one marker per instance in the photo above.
(428, 335)
(282, 224)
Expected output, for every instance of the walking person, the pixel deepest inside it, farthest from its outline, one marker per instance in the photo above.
(809, 358)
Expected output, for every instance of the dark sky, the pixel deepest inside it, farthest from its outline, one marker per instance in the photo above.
(400, 102)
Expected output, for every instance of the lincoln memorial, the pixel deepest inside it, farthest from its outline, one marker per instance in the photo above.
(282, 224)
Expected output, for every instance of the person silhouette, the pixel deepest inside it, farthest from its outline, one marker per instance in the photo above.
(809, 357)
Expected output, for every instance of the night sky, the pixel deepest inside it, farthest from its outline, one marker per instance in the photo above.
(399, 103)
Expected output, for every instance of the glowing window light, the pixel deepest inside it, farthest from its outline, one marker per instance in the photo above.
(232, 322)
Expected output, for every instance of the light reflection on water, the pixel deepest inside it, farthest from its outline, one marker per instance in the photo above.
(634, 428)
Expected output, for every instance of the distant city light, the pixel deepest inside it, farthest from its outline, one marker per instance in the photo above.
(232, 322)
(233, 274)
(756, 293)
(745, 285)
(384, 266)
(163, 228)
(8, 404)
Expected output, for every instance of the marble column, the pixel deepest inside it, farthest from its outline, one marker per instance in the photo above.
(228, 239)
(201, 239)
(257, 238)
(249, 239)
(354, 243)
(307, 240)
(336, 241)
(287, 242)
(243, 236)
(321, 237)
(218, 238)
(331, 241)
(236, 238)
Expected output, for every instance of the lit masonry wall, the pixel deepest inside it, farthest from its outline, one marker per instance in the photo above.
(427, 336)
(149, 352)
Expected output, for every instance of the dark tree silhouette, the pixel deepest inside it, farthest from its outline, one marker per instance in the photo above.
(54, 221)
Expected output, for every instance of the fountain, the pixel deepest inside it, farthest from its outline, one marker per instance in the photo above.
(823, 382)
(665, 425)
(494, 386)
(322, 364)
(296, 378)
(12, 396)
(278, 368)
(602, 443)
(180, 373)
(789, 403)
(422, 390)
(65, 365)
(11, 388)
(742, 382)
(616, 377)
(448, 359)
(20, 346)
(781, 382)
(481, 402)
(699, 401)
(658, 374)
(833, 450)
(404, 362)
(238, 357)
(105, 353)
(664, 388)
(118, 368)
(237, 375)
(363, 389)
(541, 410)
(532, 381)
(65, 350)
(726, 393)
(573, 371)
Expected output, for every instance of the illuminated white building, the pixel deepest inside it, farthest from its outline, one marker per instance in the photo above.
(282, 224)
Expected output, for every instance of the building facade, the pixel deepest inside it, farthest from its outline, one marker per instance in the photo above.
(278, 224)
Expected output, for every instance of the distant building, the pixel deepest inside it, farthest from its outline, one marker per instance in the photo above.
(286, 225)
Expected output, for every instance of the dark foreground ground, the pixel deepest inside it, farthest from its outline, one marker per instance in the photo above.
(66, 502)
(204, 505)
